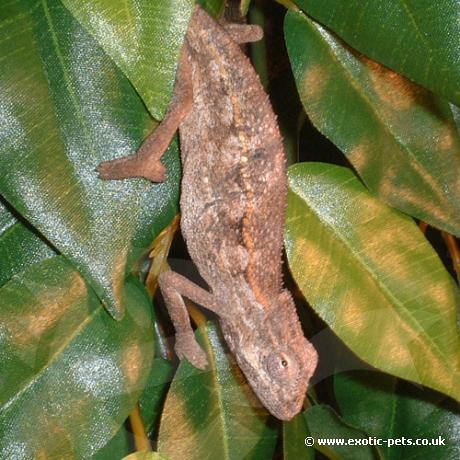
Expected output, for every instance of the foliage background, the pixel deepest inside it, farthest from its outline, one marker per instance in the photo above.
(366, 93)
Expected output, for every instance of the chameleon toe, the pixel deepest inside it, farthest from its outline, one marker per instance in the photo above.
(187, 347)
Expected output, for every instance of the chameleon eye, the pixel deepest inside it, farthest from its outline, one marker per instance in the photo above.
(281, 366)
(283, 360)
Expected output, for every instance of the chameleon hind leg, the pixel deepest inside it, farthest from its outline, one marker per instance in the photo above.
(174, 287)
(146, 162)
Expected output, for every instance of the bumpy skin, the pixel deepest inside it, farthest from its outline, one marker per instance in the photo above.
(233, 210)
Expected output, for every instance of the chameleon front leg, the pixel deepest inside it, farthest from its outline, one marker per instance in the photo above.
(244, 33)
(174, 287)
(146, 162)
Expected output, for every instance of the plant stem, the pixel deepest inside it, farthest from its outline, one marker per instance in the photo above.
(141, 440)
(423, 226)
(198, 317)
(259, 49)
(159, 255)
(452, 247)
(289, 4)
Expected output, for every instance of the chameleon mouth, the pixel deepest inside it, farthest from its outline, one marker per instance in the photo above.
(287, 412)
(285, 408)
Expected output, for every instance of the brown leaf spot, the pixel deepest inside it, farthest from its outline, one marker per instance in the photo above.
(391, 87)
(30, 328)
(314, 81)
(446, 140)
(359, 156)
(132, 364)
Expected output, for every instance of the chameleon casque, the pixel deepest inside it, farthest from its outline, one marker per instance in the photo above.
(233, 202)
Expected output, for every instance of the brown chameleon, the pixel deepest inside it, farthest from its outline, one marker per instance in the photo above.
(233, 204)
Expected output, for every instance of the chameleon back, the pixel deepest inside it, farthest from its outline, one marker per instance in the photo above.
(234, 172)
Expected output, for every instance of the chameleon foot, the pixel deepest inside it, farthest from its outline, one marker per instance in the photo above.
(187, 347)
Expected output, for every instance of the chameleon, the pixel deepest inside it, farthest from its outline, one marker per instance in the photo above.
(233, 203)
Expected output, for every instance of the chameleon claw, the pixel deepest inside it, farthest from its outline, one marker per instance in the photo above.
(104, 170)
(187, 347)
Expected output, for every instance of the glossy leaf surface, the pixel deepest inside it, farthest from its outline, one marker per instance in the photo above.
(371, 275)
(70, 374)
(418, 38)
(65, 108)
(7, 219)
(323, 422)
(386, 407)
(20, 247)
(401, 138)
(143, 37)
(213, 414)
(294, 434)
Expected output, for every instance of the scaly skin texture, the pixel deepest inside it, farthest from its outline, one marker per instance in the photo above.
(233, 210)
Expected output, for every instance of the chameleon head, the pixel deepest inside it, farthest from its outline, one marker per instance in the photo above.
(276, 358)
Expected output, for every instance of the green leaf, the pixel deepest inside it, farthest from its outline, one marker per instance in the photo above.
(20, 247)
(214, 7)
(7, 219)
(144, 38)
(65, 107)
(417, 38)
(152, 399)
(70, 374)
(400, 138)
(325, 424)
(150, 403)
(244, 7)
(145, 456)
(214, 414)
(386, 407)
(116, 448)
(371, 275)
(294, 434)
